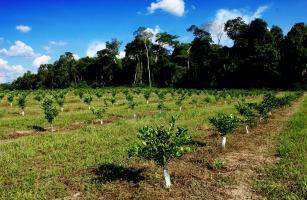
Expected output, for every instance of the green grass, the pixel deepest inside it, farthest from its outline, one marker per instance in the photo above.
(49, 165)
(288, 178)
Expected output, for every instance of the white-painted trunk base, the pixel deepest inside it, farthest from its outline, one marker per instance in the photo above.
(167, 178)
(101, 121)
(180, 108)
(246, 128)
(11, 104)
(62, 109)
(223, 143)
(147, 102)
(89, 107)
(23, 113)
(134, 115)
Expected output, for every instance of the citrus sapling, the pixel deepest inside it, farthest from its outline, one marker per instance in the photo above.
(225, 124)
(50, 111)
(161, 144)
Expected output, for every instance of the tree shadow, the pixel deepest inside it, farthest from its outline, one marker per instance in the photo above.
(197, 143)
(37, 128)
(110, 172)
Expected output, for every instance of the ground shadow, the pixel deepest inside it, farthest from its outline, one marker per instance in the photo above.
(198, 143)
(111, 172)
(38, 128)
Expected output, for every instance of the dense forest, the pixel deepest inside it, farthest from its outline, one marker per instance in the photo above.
(260, 57)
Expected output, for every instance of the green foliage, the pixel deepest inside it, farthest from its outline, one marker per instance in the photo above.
(180, 99)
(247, 111)
(21, 101)
(38, 97)
(60, 99)
(161, 96)
(217, 165)
(130, 101)
(161, 144)
(98, 112)
(147, 94)
(88, 99)
(10, 98)
(287, 178)
(50, 110)
(1, 97)
(224, 123)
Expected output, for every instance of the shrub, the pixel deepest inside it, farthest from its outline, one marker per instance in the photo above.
(98, 112)
(50, 111)
(147, 94)
(21, 102)
(225, 124)
(161, 144)
(88, 100)
(248, 113)
(180, 100)
(10, 99)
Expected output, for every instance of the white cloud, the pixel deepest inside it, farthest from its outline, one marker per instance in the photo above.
(23, 28)
(58, 43)
(3, 63)
(10, 72)
(94, 47)
(76, 56)
(154, 32)
(18, 49)
(38, 61)
(216, 27)
(48, 48)
(121, 55)
(175, 7)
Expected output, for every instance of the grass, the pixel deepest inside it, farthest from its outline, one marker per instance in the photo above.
(288, 178)
(46, 165)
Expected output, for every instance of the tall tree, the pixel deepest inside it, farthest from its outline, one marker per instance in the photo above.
(145, 36)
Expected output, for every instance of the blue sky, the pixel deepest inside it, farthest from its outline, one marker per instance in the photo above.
(34, 32)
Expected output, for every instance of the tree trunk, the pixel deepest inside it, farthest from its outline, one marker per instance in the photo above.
(101, 121)
(223, 142)
(167, 178)
(188, 51)
(246, 128)
(148, 67)
(62, 109)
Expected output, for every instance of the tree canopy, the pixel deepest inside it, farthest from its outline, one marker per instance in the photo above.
(260, 57)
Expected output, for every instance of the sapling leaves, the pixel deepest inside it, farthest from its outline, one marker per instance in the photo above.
(224, 123)
(50, 110)
(161, 144)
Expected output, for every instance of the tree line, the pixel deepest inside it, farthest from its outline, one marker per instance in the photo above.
(260, 57)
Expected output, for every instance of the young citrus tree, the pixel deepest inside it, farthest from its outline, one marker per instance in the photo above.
(1, 97)
(161, 96)
(180, 100)
(131, 104)
(161, 144)
(50, 111)
(88, 100)
(60, 99)
(225, 124)
(21, 102)
(10, 99)
(99, 113)
(248, 113)
(147, 94)
(113, 97)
